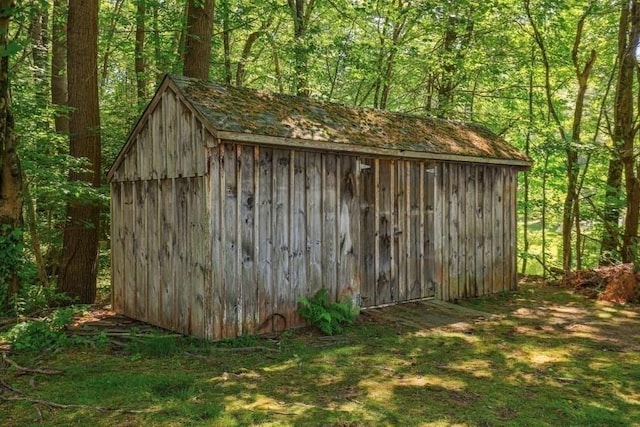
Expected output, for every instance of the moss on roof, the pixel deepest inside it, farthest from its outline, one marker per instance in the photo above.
(249, 111)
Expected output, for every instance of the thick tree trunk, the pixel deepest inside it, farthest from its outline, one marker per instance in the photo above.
(78, 270)
(197, 50)
(11, 197)
(624, 123)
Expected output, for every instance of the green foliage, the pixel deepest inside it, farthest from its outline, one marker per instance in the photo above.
(34, 298)
(48, 333)
(12, 261)
(330, 318)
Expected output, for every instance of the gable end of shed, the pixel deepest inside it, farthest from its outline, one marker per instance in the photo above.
(169, 141)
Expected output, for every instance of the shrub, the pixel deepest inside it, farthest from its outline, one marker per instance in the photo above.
(48, 333)
(330, 318)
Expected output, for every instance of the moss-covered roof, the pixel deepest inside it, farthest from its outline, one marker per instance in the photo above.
(249, 111)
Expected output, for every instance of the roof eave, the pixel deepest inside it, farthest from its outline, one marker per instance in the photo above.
(243, 137)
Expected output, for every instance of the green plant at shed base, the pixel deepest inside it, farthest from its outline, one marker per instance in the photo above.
(330, 318)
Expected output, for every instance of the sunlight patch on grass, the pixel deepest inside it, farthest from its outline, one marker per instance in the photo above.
(478, 368)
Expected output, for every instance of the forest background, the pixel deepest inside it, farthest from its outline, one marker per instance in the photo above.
(557, 78)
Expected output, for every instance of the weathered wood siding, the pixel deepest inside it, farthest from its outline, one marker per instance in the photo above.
(160, 222)
(168, 143)
(284, 224)
(475, 249)
(396, 201)
(160, 252)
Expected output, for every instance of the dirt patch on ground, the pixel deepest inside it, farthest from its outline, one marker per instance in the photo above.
(617, 283)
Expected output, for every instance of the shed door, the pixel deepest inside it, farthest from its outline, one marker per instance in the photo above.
(396, 211)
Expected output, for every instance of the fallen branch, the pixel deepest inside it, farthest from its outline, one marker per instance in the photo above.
(55, 405)
(7, 386)
(6, 359)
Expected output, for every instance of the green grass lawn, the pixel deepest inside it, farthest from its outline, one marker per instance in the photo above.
(550, 359)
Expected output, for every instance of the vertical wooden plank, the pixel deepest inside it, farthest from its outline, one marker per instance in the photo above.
(470, 231)
(198, 238)
(393, 224)
(447, 221)
(185, 165)
(216, 194)
(183, 251)
(498, 229)
(157, 132)
(428, 228)
(171, 128)
(264, 237)
(313, 208)
(117, 246)
(489, 175)
(377, 237)
(349, 229)
(280, 227)
(513, 248)
(479, 230)
(230, 248)
(247, 238)
(510, 248)
(298, 221)
(453, 232)
(142, 140)
(329, 223)
(399, 230)
(199, 146)
(384, 280)
(206, 236)
(167, 243)
(368, 234)
(140, 253)
(129, 249)
(415, 230)
(255, 153)
(462, 224)
(153, 231)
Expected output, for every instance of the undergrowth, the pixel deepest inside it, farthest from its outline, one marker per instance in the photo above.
(49, 333)
(329, 317)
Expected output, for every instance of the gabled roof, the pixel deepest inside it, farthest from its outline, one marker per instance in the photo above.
(251, 116)
(246, 111)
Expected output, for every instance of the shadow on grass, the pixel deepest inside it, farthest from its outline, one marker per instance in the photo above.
(551, 359)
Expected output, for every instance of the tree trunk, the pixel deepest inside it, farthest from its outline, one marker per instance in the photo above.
(59, 65)
(78, 270)
(11, 196)
(301, 13)
(141, 80)
(197, 50)
(624, 123)
(40, 52)
(226, 42)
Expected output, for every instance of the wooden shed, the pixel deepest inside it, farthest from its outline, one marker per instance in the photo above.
(229, 204)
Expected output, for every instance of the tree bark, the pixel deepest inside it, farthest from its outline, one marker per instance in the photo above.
(301, 13)
(11, 194)
(78, 270)
(625, 129)
(197, 50)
